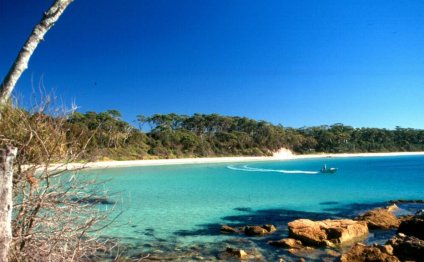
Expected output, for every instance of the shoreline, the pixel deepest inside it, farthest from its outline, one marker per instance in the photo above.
(212, 160)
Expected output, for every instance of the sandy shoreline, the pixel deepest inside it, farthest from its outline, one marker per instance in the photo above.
(281, 156)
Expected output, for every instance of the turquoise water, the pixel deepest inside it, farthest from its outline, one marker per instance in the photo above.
(186, 203)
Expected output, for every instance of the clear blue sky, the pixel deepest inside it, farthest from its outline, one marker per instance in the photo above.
(298, 63)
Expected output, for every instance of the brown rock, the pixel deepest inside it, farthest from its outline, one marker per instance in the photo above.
(228, 229)
(413, 226)
(255, 230)
(287, 243)
(232, 254)
(407, 248)
(388, 249)
(379, 218)
(327, 232)
(392, 208)
(237, 252)
(259, 230)
(270, 228)
(360, 253)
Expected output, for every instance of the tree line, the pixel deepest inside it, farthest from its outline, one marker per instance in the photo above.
(204, 135)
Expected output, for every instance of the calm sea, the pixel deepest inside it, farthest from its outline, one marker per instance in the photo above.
(170, 207)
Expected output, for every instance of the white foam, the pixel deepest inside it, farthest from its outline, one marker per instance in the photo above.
(253, 169)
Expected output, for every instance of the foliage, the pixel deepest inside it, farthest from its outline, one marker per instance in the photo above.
(202, 135)
(49, 223)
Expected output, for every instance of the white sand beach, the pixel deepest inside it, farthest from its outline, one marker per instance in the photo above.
(281, 155)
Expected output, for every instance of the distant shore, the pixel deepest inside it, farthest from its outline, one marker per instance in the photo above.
(279, 156)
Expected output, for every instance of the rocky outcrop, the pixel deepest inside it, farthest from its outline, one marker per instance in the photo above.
(407, 248)
(258, 230)
(327, 232)
(228, 229)
(413, 226)
(404, 201)
(379, 218)
(360, 252)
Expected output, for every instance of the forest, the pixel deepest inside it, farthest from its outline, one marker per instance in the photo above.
(208, 135)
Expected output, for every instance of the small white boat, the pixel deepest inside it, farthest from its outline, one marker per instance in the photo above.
(328, 170)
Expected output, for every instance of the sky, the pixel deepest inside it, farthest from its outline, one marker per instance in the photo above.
(295, 63)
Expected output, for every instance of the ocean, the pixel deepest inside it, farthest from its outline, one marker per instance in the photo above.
(177, 209)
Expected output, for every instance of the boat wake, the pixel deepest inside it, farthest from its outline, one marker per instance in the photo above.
(253, 169)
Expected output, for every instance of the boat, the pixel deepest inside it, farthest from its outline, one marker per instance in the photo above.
(330, 170)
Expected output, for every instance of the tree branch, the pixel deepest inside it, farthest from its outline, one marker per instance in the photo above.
(21, 62)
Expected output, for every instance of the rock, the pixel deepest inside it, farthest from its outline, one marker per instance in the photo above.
(403, 201)
(407, 248)
(388, 249)
(379, 218)
(332, 253)
(293, 246)
(259, 230)
(327, 232)
(360, 253)
(270, 228)
(404, 218)
(237, 252)
(228, 229)
(413, 226)
(301, 251)
(255, 230)
(287, 243)
(392, 208)
(231, 253)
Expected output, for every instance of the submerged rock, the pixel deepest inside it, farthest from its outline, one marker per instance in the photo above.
(237, 252)
(327, 232)
(258, 230)
(293, 246)
(379, 218)
(360, 252)
(414, 226)
(231, 253)
(287, 243)
(407, 247)
(93, 200)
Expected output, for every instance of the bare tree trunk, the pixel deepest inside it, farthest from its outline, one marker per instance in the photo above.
(6, 174)
(21, 62)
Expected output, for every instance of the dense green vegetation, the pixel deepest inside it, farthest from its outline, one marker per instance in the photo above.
(200, 135)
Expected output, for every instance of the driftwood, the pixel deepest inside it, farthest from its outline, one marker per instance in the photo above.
(6, 187)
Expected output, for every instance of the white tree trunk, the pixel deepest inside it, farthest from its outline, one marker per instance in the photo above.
(6, 175)
(21, 62)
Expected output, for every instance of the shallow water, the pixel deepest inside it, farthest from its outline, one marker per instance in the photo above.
(184, 205)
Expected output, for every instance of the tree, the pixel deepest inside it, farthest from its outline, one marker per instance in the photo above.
(21, 62)
(6, 174)
(6, 87)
